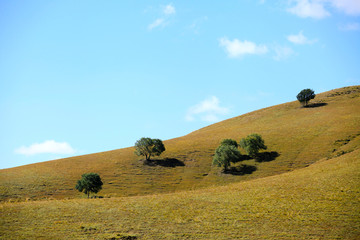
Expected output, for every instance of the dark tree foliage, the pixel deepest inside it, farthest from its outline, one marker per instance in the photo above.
(225, 155)
(89, 183)
(252, 144)
(149, 147)
(229, 141)
(305, 96)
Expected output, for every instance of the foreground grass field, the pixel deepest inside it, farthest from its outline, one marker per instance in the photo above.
(297, 136)
(321, 201)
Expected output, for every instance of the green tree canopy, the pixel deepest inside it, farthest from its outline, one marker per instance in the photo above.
(225, 155)
(149, 147)
(252, 144)
(305, 96)
(229, 141)
(89, 183)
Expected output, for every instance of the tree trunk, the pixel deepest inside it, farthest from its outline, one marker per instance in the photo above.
(88, 194)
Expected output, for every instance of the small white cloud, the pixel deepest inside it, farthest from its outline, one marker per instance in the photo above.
(316, 8)
(282, 53)
(236, 48)
(350, 7)
(300, 39)
(350, 27)
(157, 23)
(49, 146)
(169, 9)
(308, 8)
(164, 20)
(207, 110)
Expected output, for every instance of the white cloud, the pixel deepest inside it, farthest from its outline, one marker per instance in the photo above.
(300, 39)
(238, 48)
(158, 22)
(308, 8)
(350, 27)
(169, 9)
(350, 7)
(207, 110)
(49, 146)
(282, 53)
(162, 21)
(320, 8)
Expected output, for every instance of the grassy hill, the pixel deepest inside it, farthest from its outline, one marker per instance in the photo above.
(298, 137)
(317, 202)
(306, 187)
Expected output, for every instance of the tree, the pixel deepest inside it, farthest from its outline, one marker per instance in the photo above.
(305, 96)
(229, 141)
(252, 144)
(89, 183)
(225, 155)
(149, 147)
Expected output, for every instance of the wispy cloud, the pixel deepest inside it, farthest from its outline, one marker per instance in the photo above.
(208, 110)
(162, 21)
(237, 48)
(282, 53)
(300, 39)
(158, 22)
(350, 7)
(169, 9)
(49, 146)
(320, 9)
(308, 8)
(350, 27)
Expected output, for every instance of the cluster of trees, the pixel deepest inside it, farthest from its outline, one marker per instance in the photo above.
(227, 152)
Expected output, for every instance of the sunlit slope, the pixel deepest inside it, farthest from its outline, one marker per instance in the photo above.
(301, 136)
(317, 202)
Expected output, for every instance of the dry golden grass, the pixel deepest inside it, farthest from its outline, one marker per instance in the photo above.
(317, 202)
(311, 191)
(301, 136)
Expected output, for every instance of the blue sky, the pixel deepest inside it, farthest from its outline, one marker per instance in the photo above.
(78, 77)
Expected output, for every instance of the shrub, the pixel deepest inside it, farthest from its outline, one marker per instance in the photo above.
(252, 144)
(225, 155)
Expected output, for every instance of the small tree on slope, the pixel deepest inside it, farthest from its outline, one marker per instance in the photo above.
(149, 147)
(225, 155)
(89, 183)
(252, 144)
(305, 96)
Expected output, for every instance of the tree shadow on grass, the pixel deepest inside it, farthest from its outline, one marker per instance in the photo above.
(315, 105)
(266, 156)
(241, 170)
(166, 162)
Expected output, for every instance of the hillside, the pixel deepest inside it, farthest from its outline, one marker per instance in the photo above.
(317, 202)
(298, 137)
